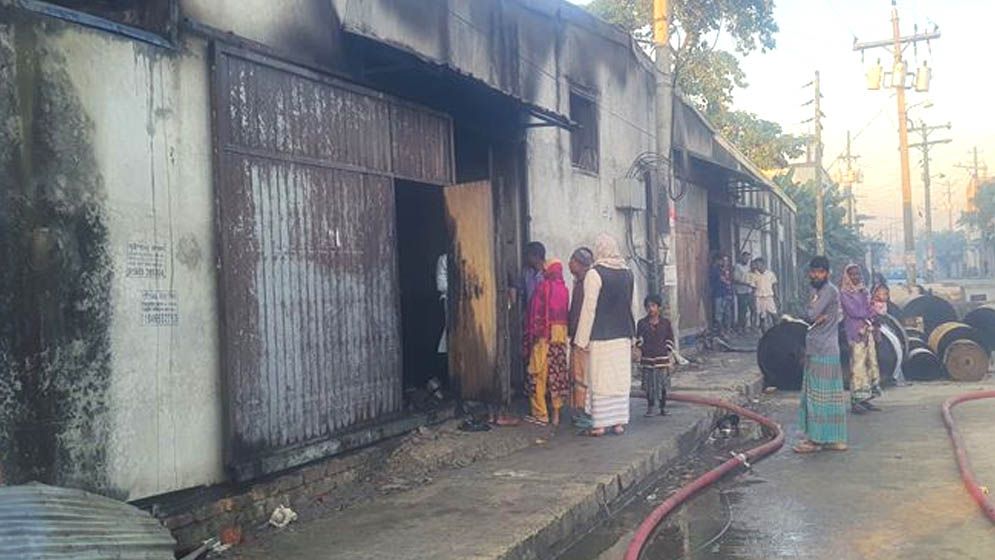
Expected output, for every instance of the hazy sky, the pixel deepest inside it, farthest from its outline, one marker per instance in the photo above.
(818, 35)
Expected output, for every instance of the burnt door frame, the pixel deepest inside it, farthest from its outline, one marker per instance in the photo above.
(508, 184)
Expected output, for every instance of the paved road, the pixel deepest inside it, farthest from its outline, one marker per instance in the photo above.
(895, 494)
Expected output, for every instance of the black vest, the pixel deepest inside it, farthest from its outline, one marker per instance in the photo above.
(613, 315)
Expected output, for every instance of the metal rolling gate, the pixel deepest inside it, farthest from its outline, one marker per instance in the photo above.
(310, 327)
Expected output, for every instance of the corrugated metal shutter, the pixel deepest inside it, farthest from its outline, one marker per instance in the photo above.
(309, 279)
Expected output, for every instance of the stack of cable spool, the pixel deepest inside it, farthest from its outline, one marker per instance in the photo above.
(961, 349)
(781, 354)
(895, 311)
(892, 350)
(930, 310)
(891, 353)
(894, 324)
(916, 342)
(915, 333)
(917, 339)
(923, 365)
(983, 320)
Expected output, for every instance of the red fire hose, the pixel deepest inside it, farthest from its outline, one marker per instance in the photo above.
(650, 524)
(970, 482)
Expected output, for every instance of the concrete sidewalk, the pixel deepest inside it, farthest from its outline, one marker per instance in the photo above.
(525, 505)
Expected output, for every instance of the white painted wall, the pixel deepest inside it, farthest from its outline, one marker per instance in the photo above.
(152, 143)
(569, 207)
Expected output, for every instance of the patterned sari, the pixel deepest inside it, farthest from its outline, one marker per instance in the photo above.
(546, 343)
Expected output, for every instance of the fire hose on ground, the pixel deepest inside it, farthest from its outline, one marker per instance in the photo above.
(977, 491)
(649, 525)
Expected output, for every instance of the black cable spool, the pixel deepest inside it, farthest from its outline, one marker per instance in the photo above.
(916, 342)
(889, 354)
(923, 365)
(983, 320)
(933, 310)
(895, 325)
(781, 354)
(895, 311)
(915, 333)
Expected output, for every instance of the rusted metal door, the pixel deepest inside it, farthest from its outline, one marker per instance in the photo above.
(310, 303)
(473, 309)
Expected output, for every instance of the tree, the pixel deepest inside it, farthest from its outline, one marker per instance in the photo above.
(843, 243)
(982, 216)
(709, 76)
(761, 140)
(949, 248)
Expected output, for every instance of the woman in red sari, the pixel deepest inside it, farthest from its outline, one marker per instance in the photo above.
(546, 343)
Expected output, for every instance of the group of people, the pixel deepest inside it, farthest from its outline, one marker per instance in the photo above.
(743, 295)
(579, 349)
(823, 407)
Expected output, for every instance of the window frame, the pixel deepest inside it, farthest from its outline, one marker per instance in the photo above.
(590, 98)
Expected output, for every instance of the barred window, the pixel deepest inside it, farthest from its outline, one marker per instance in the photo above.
(584, 139)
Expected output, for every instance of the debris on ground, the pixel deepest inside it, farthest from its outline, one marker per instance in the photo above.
(282, 516)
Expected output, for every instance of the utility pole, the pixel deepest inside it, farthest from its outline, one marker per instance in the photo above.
(664, 141)
(896, 45)
(974, 169)
(820, 200)
(924, 144)
(950, 207)
(850, 176)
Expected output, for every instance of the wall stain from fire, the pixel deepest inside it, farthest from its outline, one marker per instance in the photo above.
(55, 272)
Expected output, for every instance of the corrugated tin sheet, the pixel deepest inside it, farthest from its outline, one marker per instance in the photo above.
(692, 259)
(422, 145)
(51, 523)
(311, 333)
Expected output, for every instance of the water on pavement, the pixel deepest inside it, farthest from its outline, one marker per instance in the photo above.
(895, 494)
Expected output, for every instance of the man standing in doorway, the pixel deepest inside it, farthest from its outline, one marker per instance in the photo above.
(822, 410)
(535, 263)
(532, 276)
(743, 287)
(720, 287)
(580, 262)
(765, 294)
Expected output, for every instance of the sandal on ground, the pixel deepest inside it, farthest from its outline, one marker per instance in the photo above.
(618, 430)
(839, 446)
(593, 432)
(474, 425)
(506, 421)
(650, 411)
(537, 421)
(806, 447)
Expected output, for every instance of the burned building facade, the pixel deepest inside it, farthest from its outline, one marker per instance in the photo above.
(222, 220)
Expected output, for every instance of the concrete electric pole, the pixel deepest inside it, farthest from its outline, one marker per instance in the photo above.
(664, 142)
(924, 144)
(820, 195)
(950, 205)
(975, 170)
(848, 178)
(921, 83)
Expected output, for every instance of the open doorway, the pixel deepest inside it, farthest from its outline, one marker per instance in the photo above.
(422, 238)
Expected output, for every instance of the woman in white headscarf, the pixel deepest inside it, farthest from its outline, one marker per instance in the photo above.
(605, 332)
